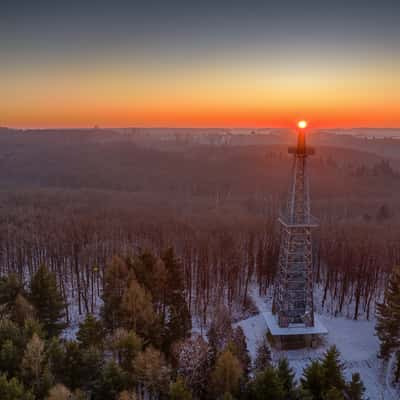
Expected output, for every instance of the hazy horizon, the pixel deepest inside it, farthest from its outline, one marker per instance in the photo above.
(199, 128)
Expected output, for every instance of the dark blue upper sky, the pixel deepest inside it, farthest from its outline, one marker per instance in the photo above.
(65, 25)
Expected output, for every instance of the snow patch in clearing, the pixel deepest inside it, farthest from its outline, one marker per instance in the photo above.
(254, 329)
(355, 340)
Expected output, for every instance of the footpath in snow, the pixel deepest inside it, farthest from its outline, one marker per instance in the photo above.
(355, 340)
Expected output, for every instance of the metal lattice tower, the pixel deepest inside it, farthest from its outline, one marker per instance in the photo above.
(293, 292)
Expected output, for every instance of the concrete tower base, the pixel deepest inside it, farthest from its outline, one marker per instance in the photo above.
(294, 336)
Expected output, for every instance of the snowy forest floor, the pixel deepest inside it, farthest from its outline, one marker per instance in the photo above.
(355, 340)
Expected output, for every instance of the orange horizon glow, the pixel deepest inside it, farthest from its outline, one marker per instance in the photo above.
(178, 118)
(234, 94)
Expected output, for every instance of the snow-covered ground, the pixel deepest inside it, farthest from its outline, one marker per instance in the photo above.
(355, 340)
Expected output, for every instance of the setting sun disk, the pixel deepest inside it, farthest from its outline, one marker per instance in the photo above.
(302, 124)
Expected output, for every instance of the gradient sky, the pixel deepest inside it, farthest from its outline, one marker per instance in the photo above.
(207, 63)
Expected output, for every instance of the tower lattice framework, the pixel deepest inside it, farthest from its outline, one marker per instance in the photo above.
(293, 292)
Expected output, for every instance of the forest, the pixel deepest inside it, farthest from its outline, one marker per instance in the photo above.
(126, 262)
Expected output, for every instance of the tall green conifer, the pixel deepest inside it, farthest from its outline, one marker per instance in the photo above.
(48, 302)
(388, 316)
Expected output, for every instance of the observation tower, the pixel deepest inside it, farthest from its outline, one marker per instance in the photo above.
(293, 305)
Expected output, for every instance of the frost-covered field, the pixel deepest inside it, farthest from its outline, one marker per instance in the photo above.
(355, 340)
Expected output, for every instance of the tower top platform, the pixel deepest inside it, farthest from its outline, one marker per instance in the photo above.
(301, 149)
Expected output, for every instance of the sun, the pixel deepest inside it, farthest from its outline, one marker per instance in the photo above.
(302, 124)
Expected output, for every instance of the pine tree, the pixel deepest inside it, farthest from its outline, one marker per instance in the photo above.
(59, 392)
(74, 366)
(56, 358)
(179, 320)
(159, 287)
(137, 309)
(227, 374)
(127, 395)
(23, 310)
(303, 394)
(175, 282)
(90, 332)
(125, 347)
(286, 376)
(91, 362)
(9, 330)
(48, 302)
(9, 358)
(144, 265)
(263, 357)
(388, 316)
(179, 324)
(112, 381)
(32, 327)
(151, 273)
(34, 370)
(12, 345)
(152, 371)
(220, 332)
(355, 388)
(10, 288)
(334, 394)
(227, 396)
(239, 348)
(32, 363)
(13, 302)
(333, 370)
(178, 390)
(13, 390)
(313, 380)
(67, 367)
(267, 386)
(116, 280)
